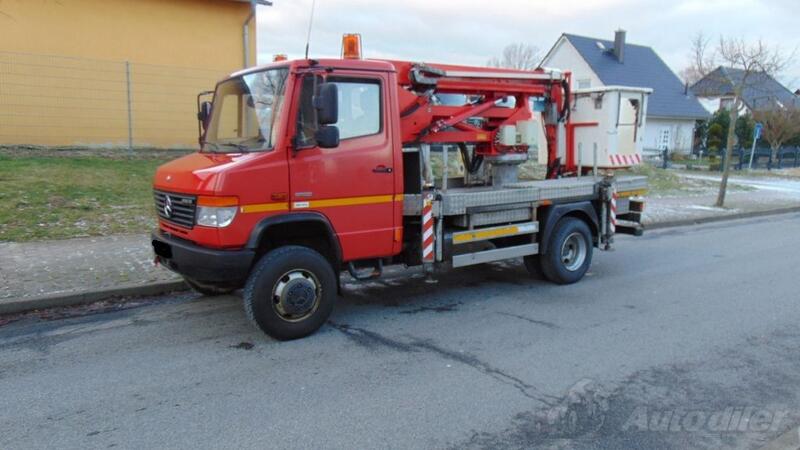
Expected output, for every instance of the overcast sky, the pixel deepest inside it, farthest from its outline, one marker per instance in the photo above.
(472, 31)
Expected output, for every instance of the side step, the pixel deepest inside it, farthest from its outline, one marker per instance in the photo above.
(377, 271)
(496, 254)
(634, 229)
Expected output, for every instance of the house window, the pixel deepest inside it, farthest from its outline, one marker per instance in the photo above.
(585, 83)
(663, 138)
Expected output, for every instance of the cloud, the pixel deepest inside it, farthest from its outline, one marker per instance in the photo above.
(472, 31)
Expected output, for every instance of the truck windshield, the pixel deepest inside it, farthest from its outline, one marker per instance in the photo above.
(246, 112)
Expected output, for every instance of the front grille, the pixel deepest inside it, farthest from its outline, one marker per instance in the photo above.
(181, 209)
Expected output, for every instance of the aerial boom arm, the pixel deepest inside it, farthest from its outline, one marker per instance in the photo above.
(494, 98)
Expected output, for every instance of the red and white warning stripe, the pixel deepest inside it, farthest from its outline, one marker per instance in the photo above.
(612, 222)
(427, 228)
(625, 160)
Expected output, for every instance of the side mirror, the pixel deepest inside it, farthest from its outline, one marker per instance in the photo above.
(204, 113)
(326, 102)
(327, 136)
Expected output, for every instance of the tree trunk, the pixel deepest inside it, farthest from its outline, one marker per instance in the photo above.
(726, 167)
(775, 149)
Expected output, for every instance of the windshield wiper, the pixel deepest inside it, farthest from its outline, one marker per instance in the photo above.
(241, 147)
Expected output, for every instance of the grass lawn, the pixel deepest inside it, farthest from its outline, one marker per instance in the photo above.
(47, 196)
(57, 195)
(669, 183)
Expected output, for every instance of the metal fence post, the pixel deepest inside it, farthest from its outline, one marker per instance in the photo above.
(666, 155)
(130, 108)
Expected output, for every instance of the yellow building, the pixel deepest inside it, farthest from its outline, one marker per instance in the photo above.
(110, 72)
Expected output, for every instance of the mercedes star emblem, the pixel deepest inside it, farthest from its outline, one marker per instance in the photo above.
(168, 206)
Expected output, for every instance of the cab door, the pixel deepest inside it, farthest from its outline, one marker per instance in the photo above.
(353, 184)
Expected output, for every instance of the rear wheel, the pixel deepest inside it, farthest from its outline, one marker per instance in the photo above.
(208, 289)
(290, 292)
(569, 251)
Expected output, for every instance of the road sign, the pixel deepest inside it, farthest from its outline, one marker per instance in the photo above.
(756, 136)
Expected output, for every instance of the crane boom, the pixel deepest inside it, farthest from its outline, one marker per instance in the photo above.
(496, 115)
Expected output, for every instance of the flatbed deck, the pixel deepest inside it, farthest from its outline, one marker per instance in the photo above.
(459, 201)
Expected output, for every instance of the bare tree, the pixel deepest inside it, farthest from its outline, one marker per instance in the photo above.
(517, 56)
(701, 61)
(750, 61)
(780, 125)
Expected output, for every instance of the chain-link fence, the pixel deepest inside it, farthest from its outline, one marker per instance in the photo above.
(76, 102)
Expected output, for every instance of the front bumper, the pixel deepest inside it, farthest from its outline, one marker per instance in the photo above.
(229, 267)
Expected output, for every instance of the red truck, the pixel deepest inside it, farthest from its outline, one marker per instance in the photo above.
(308, 168)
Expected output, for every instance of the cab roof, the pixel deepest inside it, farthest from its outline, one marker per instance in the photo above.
(356, 64)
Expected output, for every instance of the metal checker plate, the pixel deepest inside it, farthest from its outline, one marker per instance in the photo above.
(494, 217)
(562, 188)
(456, 201)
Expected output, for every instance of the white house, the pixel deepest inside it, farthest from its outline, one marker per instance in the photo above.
(672, 109)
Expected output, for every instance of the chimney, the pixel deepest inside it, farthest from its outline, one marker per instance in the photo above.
(619, 45)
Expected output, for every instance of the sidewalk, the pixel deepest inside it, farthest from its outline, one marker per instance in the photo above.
(765, 194)
(667, 210)
(58, 268)
(33, 269)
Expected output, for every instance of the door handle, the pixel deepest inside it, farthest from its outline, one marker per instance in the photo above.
(382, 169)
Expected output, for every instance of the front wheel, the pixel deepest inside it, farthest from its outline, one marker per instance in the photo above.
(290, 292)
(569, 252)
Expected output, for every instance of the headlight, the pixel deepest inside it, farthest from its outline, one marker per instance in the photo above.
(216, 216)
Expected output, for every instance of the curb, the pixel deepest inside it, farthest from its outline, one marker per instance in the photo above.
(20, 305)
(712, 219)
(27, 304)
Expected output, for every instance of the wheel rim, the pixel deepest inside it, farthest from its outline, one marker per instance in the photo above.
(573, 252)
(296, 295)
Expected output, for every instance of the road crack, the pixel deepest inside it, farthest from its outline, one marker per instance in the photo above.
(543, 323)
(372, 340)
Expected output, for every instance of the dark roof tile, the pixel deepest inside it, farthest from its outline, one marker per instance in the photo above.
(642, 67)
(761, 90)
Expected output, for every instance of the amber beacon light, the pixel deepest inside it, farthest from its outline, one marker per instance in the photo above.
(351, 46)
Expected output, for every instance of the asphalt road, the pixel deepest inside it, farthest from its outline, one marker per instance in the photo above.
(686, 337)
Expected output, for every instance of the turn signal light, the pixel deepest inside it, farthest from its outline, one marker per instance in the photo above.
(351, 46)
(279, 57)
(205, 200)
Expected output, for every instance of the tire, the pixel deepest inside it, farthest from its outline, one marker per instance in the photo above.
(569, 252)
(208, 289)
(290, 292)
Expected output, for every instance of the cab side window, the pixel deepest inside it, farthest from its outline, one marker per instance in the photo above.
(359, 109)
